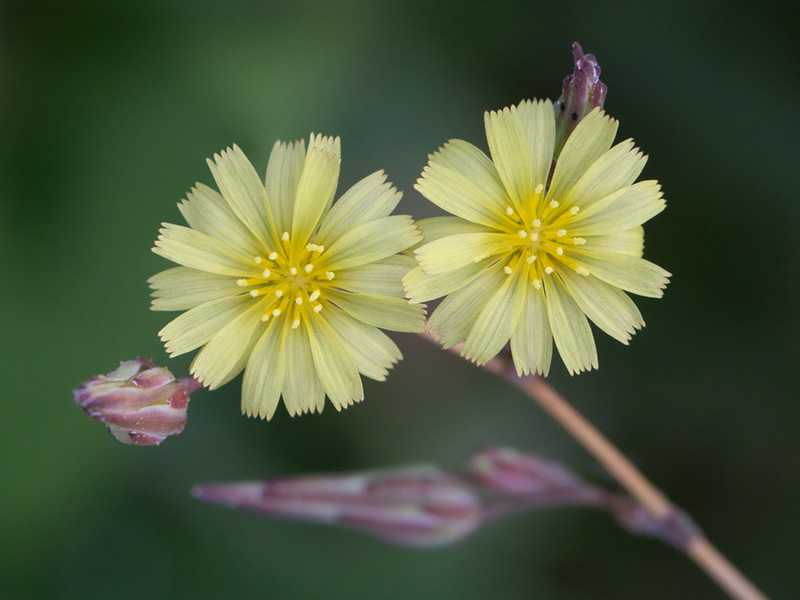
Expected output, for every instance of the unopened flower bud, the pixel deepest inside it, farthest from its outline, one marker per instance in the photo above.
(508, 471)
(412, 507)
(582, 91)
(140, 403)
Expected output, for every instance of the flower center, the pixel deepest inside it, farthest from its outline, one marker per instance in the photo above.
(542, 240)
(289, 282)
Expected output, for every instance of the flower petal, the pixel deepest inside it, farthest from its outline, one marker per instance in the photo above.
(539, 123)
(508, 144)
(498, 318)
(532, 340)
(620, 211)
(198, 325)
(335, 368)
(435, 228)
(316, 187)
(624, 242)
(370, 242)
(629, 273)
(420, 287)
(197, 250)
(463, 181)
(591, 139)
(607, 306)
(453, 318)
(241, 187)
(454, 251)
(264, 374)
(394, 314)
(206, 211)
(181, 288)
(372, 351)
(369, 199)
(614, 170)
(380, 278)
(302, 389)
(221, 354)
(571, 330)
(283, 175)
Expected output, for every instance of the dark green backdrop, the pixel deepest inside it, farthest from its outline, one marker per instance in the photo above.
(107, 113)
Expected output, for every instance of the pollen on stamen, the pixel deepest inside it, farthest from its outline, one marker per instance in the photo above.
(538, 189)
(536, 223)
(285, 236)
(309, 267)
(582, 271)
(276, 312)
(329, 275)
(298, 301)
(278, 293)
(508, 270)
(560, 251)
(534, 237)
(254, 293)
(320, 249)
(295, 323)
(311, 247)
(509, 211)
(293, 271)
(575, 210)
(561, 232)
(579, 241)
(241, 282)
(314, 295)
(264, 318)
(318, 308)
(273, 255)
(531, 259)
(537, 283)
(266, 273)
(522, 233)
(549, 270)
(554, 204)
(257, 260)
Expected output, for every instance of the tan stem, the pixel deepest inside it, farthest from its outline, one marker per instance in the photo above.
(698, 548)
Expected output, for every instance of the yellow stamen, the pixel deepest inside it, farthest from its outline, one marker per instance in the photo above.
(266, 273)
(298, 301)
(320, 249)
(311, 247)
(293, 271)
(537, 283)
(582, 271)
(258, 260)
(509, 211)
(537, 223)
(254, 293)
(579, 241)
(534, 237)
(241, 282)
(285, 236)
(276, 312)
(329, 275)
(575, 210)
(560, 251)
(561, 232)
(309, 268)
(273, 255)
(554, 204)
(295, 323)
(264, 317)
(318, 308)
(539, 189)
(531, 259)
(278, 293)
(508, 270)
(549, 270)
(314, 295)
(522, 233)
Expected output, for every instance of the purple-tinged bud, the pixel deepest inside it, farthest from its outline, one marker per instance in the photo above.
(411, 507)
(140, 403)
(508, 471)
(582, 91)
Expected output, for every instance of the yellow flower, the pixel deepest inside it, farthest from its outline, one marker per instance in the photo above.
(528, 257)
(278, 282)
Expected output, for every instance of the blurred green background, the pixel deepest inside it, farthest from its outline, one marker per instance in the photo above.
(107, 113)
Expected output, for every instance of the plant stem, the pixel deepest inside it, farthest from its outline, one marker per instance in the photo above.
(697, 547)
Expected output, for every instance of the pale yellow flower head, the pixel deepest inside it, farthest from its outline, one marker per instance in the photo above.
(530, 255)
(278, 280)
